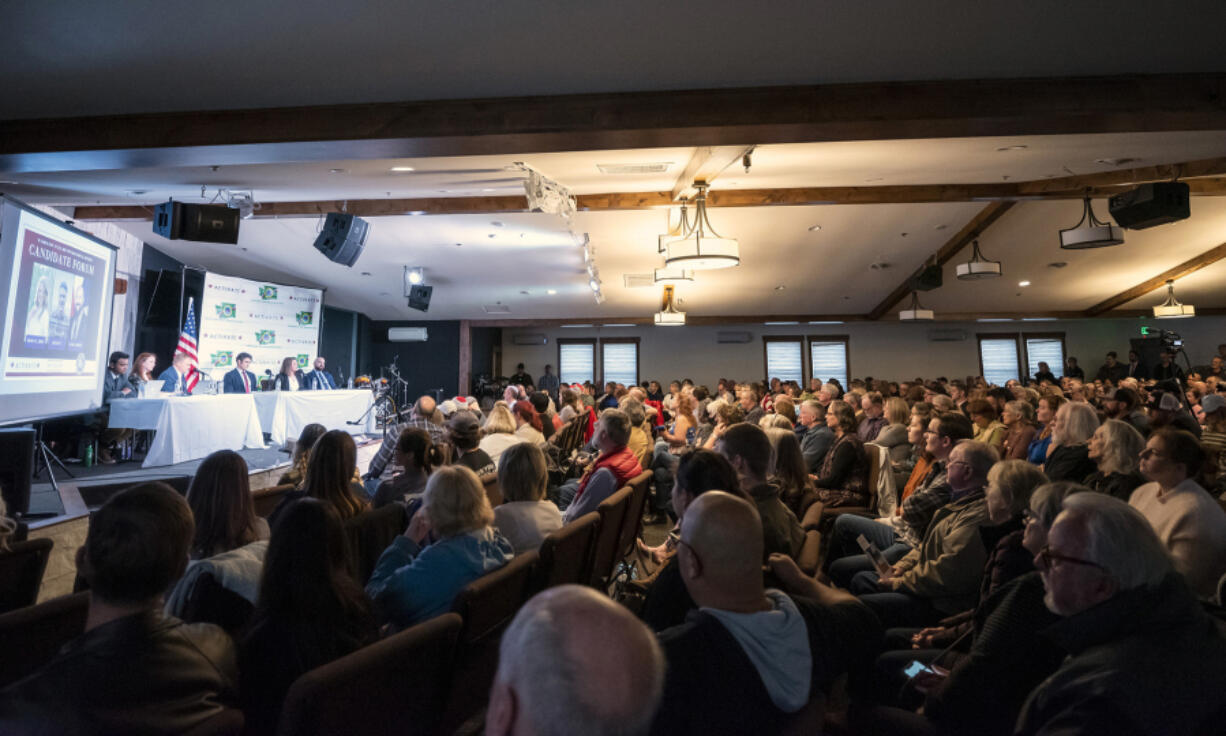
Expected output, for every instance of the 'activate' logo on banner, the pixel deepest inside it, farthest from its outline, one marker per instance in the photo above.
(304, 318)
(227, 310)
(265, 337)
(222, 358)
(268, 292)
(303, 360)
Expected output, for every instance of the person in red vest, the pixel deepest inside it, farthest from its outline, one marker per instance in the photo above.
(614, 467)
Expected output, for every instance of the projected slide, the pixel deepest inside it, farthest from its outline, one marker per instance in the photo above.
(270, 321)
(57, 308)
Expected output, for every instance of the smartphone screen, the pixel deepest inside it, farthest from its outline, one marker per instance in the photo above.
(915, 668)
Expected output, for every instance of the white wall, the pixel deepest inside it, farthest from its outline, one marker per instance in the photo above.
(891, 350)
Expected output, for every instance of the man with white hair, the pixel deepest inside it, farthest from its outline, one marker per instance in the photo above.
(572, 662)
(816, 438)
(1144, 658)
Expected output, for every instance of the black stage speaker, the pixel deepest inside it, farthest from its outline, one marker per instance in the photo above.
(1151, 204)
(206, 223)
(419, 297)
(343, 238)
(927, 279)
(16, 469)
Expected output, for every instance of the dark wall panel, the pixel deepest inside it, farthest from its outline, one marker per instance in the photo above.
(336, 341)
(426, 366)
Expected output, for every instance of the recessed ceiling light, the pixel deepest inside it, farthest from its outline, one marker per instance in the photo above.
(491, 235)
(496, 223)
(415, 213)
(384, 293)
(133, 192)
(1018, 147)
(366, 273)
(1023, 283)
(488, 189)
(940, 227)
(780, 287)
(336, 171)
(814, 228)
(524, 293)
(458, 245)
(1114, 161)
(403, 168)
(873, 179)
(551, 291)
(1057, 264)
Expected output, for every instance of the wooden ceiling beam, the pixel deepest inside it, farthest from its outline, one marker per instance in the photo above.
(711, 117)
(1190, 266)
(707, 163)
(973, 229)
(1210, 167)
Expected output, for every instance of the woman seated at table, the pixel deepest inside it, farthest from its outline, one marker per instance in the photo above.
(142, 370)
(329, 477)
(290, 378)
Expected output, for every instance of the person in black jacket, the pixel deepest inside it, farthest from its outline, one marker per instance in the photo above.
(1116, 449)
(1068, 457)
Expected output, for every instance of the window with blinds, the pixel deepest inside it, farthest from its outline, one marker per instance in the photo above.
(620, 362)
(1046, 348)
(998, 359)
(576, 361)
(784, 359)
(828, 359)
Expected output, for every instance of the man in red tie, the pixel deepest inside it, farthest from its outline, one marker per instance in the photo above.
(240, 380)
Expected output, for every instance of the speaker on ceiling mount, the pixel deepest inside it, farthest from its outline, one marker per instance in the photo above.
(419, 297)
(927, 278)
(342, 238)
(1151, 204)
(205, 223)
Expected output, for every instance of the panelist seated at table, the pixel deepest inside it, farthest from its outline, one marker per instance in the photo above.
(174, 378)
(319, 379)
(142, 371)
(240, 380)
(289, 378)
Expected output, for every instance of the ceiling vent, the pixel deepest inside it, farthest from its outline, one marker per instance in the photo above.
(637, 280)
(529, 339)
(496, 308)
(725, 338)
(658, 167)
(947, 335)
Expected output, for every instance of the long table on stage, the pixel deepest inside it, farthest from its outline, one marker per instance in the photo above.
(283, 414)
(190, 427)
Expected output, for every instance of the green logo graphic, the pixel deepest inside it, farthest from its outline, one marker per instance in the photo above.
(265, 337)
(304, 318)
(227, 310)
(268, 292)
(222, 357)
(303, 360)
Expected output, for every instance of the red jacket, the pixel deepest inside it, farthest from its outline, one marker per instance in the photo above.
(623, 464)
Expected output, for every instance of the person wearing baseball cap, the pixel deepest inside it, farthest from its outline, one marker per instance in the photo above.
(1166, 410)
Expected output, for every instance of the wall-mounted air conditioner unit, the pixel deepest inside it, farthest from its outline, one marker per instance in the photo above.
(406, 334)
(724, 338)
(529, 339)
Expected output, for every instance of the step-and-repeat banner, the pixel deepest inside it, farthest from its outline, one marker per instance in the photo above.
(270, 321)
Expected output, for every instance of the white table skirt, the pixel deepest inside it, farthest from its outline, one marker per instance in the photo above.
(283, 414)
(191, 427)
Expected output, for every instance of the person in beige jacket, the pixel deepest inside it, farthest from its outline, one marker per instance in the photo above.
(942, 575)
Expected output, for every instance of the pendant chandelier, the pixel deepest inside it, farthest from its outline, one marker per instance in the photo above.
(668, 316)
(916, 312)
(1172, 308)
(1090, 232)
(698, 246)
(978, 267)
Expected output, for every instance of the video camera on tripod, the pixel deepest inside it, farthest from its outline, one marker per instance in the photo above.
(1172, 342)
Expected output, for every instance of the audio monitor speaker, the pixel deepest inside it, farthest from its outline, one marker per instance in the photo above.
(342, 238)
(419, 297)
(205, 223)
(1151, 204)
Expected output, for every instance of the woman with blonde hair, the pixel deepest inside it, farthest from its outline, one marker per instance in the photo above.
(1116, 448)
(414, 579)
(525, 517)
(1068, 457)
(893, 436)
(1045, 414)
(499, 430)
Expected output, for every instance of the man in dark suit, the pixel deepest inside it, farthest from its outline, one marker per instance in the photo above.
(240, 380)
(1134, 369)
(174, 378)
(319, 379)
(115, 386)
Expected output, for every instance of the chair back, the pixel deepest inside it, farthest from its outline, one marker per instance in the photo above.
(566, 553)
(874, 454)
(266, 499)
(632, 523)
(229, 722)
(369, 533)
(570, 437)
(21, 573)
(30, 637)
(493, 491)
(394, 686)
(612, 512)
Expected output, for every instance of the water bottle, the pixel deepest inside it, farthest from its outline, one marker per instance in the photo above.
(89, 455)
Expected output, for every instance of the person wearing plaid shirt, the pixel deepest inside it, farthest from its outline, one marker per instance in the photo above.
(384, 465)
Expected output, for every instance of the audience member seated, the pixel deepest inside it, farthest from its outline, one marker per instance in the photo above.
(448, 544)
(987, 429)
(750, 657)
(942, 575)
(540, 404)
(230, 541)
(1049, 404)
(1144, 657)
(1068, 457)
(1188, 521)
(383, 466)
(302, 452)
(817, 437)
(572, 405)
(1020, 430)
(417, 457)
(749, 452)
(525, 517)
(527, 423)
(897, 535)
(639, 443)
(893, 436)
(134, 670)
(1116, 448)
(499, 433)
(1125, 405)
(310, 611)
(1213, 439)
(873, 406)
(574, 662)
(463, 431)
(843, 478)
(726, 415)
(1166, 410)
(329, 477)
(8, 528)
(613, 468)
(788, 472)
(667, 602)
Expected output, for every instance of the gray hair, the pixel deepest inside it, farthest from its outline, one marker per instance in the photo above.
(537, 659)
(1122, 445)
(1080, 421)
(980, 455)
(1016, 480)
(1047, 500)
(813, 406)
(1120, 539)
(634, 410)
(834, 391)
(775, 421)
(941, 402)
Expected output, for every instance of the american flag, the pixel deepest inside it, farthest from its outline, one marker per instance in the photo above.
(187, 346)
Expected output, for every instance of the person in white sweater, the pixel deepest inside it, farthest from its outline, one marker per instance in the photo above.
(1190, 522)
(525, 517)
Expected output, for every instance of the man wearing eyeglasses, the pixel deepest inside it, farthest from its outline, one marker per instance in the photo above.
(1144, 658)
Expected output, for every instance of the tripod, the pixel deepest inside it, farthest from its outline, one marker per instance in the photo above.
(43, 459)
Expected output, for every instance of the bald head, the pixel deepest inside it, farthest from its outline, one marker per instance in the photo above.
(573, 661)
(424, 407)
(724, 559)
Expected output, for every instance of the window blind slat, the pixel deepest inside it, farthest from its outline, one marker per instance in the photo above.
(783, 360)
(1049, 350)
(999, 356)
(621, 362)
(829, 360)
(577, 363)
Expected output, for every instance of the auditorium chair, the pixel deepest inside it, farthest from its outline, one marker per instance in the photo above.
(632, 523)
(487, 606)
(210, 602)
(612, 512)
(30, 637)
(820, 519)
(570, 437)
(21, 573)
(229, 722)
(394, 686)
(371, 532)
(566, 553)
(265, 500)
(493, 491)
